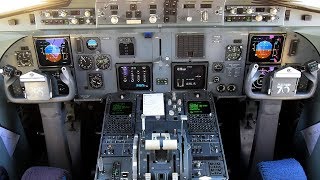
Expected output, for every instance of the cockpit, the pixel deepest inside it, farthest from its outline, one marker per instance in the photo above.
(159, 90)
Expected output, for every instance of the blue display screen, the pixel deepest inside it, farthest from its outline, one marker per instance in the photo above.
(53, 51)
(266, 48)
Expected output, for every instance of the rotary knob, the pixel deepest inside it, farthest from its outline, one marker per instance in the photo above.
(233, 11)
(179, 102)
(88, 21)
(174, 106)
(87, 13)
(74, 21)
(272, 18)
(63, 14)
(249, 11)
(171, 112)
(198, 164)
(273, 11)
(204, 16)
(174, 96)
(189, 18)
(47, 14)
(153, 19)
(114, 20)
(259, 18)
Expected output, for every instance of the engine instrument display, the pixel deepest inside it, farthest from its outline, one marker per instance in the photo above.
(95, 80)
(266, 48)
(189, 76)
(53, 51)
(103, 61)
(233, 53)
(134, 77)
(120, 108)
(199, 107)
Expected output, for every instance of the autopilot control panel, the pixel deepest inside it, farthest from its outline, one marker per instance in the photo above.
(165, 12)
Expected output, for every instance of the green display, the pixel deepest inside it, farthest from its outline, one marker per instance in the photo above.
(199, 107)
(121, 108)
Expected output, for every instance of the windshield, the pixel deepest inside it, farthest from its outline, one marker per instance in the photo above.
(309, 3)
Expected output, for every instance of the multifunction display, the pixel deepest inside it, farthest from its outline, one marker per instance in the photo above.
(266, 48)
(53, 51)
(264, 70)
(189, 76)
(121, 108)
(134, 77)
(199, 107)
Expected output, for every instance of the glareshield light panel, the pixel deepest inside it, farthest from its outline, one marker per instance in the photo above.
(53, 51)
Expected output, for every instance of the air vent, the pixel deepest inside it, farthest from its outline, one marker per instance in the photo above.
(190, 46)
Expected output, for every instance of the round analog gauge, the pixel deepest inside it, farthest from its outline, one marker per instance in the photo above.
(103, 62)
(233, 53)
(217, 67)
(95, 80)
(92, 44)
(24, 58)
(85, 62)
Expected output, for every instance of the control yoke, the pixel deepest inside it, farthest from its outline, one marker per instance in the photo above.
(38, 86)
(282, 83)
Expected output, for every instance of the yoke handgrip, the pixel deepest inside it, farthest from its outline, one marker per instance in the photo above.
(253, 75)
(66, 77)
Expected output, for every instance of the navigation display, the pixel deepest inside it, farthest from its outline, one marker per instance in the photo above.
(120, 108)
(189, 76)
(134, 77)
(264, 70)
(53, 51)
(266, 48)
(199, 107)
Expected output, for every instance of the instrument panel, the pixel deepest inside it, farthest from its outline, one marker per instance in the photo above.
(141, 61)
